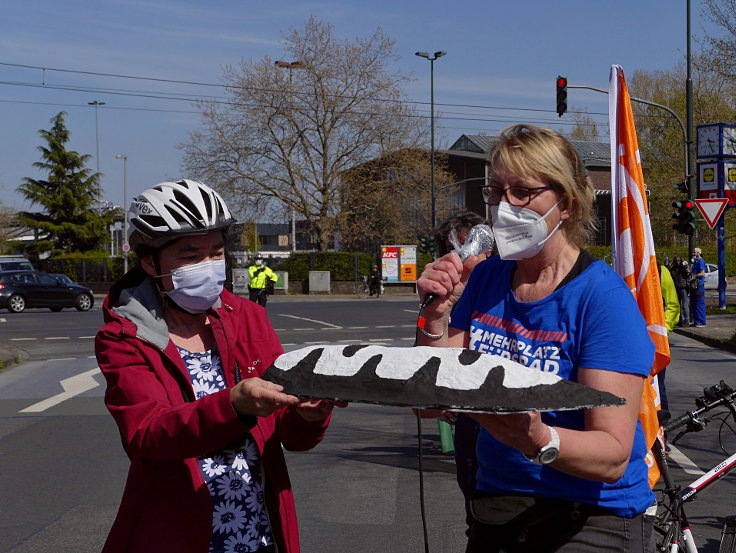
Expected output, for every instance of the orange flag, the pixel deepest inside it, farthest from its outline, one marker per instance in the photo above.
(633, 246)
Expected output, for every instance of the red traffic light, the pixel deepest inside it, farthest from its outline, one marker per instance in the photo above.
(561, 82)
(687, 204)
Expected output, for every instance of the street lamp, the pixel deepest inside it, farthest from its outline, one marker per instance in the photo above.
(126, 246)
(97, 131)
(290, 65)
(431, 59)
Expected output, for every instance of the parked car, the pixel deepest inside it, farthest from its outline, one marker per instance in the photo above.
(15, 263)
(21, 289)
(711, 276)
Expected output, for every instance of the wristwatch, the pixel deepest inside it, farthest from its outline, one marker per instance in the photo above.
(548, 454)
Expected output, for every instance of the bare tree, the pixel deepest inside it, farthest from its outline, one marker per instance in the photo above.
(7, 216)
(387, 200)
(286, 135)
(584, 127)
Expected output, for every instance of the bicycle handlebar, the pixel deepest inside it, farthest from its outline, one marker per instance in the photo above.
(715, 396)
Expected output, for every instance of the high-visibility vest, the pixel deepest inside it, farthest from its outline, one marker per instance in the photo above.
(259, 274)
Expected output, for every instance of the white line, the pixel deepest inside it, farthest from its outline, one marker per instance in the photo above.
(385, 326)
(3, 320)
(407, 339)
(85, 337)
(312, 321)
(380, 339)
(411, 311)
(72, 386)
(91, 357)
(684, 461)
(356, 327)
(56, 338)
(21, 339)
(344, 341)
(288, 344)
(313, 343)
(303, 328)
(61, 359)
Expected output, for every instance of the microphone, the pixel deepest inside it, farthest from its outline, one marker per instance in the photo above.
(480, 240)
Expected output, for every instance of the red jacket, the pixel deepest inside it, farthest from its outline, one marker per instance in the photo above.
(166, 506)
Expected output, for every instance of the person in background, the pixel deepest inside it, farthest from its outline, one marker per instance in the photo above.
(671, 317)
(697, 299)
(183, 359)
(374, 281)
(262, 279)
(680, 272)
(448, 236)
(568, 481)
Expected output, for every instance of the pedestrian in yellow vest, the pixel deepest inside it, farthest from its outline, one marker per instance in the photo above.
(262, 280)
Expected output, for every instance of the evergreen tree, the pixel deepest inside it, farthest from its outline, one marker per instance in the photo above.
(72, 218)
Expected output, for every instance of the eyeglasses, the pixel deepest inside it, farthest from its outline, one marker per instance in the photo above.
(519, 196)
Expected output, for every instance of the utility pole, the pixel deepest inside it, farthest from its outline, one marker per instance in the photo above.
(692, 192)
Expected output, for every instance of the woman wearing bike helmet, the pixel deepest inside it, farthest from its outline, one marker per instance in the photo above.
(182, 358)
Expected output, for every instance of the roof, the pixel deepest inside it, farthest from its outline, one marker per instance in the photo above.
(592, 153)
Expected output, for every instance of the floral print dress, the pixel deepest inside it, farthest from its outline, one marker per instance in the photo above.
(233, 476)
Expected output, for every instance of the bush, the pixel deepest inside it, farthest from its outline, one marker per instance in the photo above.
(342, 265)
(87, 267)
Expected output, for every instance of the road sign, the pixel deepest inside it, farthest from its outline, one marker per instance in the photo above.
(712, 209)
(126, 247)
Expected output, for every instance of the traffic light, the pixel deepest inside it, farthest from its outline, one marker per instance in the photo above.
(423, 244)
(685, 217)
(561, 95)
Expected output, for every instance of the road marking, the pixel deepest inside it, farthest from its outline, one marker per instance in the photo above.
(380, 339)
(356, 327)
(56, 338)
(345, 341)
(385, 326)
(3, 320)
(21, 339)
(72, 386)
(61, 359)
(303, 328)
(314, 343)
(684, 461)
(85, 337)
(312, 321)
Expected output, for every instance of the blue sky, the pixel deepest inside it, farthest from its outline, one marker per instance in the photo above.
(503, 56)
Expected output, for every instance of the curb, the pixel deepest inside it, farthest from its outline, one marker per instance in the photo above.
(719, 343)
(11, 355)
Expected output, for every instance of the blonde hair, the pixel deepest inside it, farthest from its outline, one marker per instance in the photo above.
(532, 151)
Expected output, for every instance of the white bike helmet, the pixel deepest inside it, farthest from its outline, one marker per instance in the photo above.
(173, 209)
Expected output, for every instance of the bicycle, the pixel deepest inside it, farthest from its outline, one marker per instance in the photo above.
(671, 525)
(363, 288)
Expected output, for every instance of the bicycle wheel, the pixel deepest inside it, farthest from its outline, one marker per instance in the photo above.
(361, 289)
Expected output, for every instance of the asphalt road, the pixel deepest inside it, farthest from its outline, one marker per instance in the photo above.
(63, 468)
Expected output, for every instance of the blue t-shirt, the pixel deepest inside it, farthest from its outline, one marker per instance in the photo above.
(591, 322)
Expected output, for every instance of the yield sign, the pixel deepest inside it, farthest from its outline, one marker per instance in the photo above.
(712, 209)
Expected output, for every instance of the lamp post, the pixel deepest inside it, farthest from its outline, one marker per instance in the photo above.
(290, 65)
(97, 131)
(432, 59)
(126, 246)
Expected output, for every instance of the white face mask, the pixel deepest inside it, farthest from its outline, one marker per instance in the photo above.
(520, 232)
(259, 261)
(197, 287)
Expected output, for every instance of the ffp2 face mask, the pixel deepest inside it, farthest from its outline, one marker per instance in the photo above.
(520, 232)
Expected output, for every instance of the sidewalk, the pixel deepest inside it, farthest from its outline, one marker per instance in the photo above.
(718, 332)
